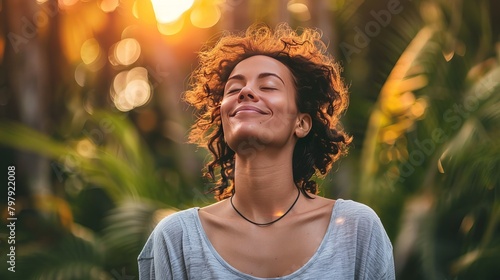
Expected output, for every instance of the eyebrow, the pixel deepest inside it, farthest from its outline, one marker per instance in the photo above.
(261, 76)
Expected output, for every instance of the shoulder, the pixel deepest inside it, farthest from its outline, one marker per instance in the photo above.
(175, 223)
(357, 212)
(355, 208)
(168, 233)
(361, 230)
(354, 218)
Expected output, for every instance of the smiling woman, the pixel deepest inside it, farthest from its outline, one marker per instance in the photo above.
(259, 102)
(270, 105)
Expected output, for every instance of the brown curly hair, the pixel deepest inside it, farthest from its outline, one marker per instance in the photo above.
(321, 93)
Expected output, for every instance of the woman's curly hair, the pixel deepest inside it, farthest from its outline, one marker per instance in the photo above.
(321, 93)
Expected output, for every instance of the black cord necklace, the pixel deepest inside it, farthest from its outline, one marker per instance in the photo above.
(271, 222)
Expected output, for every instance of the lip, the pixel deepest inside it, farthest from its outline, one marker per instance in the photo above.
(247, 108)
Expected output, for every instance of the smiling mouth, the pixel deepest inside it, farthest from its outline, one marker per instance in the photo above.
(247, 109)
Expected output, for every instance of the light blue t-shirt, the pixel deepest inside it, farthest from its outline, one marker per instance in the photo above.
(355, 246)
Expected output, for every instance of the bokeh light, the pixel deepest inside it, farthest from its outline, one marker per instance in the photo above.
(80, 74)
(171, 28)
(131, 89)
(108, 6)
(299, 9)
(67, 3)
(143, 9)
(205, 15)
(90, 51)
(85, 148)
(418, 109)
(125, 52)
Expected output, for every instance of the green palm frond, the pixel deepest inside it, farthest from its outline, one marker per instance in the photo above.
(78, 255)
(431, 148)
(129, 226)
(115, 160)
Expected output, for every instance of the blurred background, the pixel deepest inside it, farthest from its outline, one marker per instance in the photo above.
(91, 118)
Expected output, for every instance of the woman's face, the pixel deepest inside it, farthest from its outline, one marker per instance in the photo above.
(258, 108)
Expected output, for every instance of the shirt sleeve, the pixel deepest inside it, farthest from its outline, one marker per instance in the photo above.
(382, 253)
(146, 260)
(375, 248)
(162, 257)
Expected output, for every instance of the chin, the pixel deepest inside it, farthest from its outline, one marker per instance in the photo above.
(250, 138)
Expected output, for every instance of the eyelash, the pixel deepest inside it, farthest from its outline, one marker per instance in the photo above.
(268, 88)
(238, 89)
(233, 91)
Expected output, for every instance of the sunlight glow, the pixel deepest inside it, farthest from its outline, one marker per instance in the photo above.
(171, 28)
(205, 16)
(143, 9)
(169, 10)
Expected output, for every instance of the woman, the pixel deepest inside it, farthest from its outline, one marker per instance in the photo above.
(270, 104)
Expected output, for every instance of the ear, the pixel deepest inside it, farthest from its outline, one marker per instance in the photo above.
(303, 125)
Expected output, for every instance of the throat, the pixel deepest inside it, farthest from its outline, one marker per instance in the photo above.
(263, 224)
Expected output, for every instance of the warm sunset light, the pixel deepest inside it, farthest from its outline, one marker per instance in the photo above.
(168, 10)
(171, 28)
(143, 9)
(205, 16)
(107, 108)
(108, 6)
(67, 3)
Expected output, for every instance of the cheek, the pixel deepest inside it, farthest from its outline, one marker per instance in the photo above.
(286, 109)
(225, 105)
(223, 111)
(224, 117)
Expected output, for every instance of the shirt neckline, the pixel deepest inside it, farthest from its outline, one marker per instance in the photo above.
(296, 273)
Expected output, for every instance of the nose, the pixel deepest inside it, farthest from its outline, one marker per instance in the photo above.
(246, 94)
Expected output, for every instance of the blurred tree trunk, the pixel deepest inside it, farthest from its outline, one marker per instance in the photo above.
(323, 18)
(27, 78)
(236, 16)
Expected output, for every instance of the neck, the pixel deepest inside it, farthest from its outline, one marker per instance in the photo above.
(264, 186)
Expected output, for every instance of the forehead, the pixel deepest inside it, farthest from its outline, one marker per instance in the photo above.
(257, 64)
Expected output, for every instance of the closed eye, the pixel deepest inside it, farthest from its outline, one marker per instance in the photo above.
(233, 91)
(268, 88)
